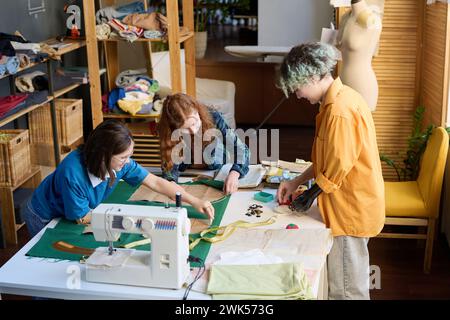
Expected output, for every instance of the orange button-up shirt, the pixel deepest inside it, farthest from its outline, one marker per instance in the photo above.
(347, 165)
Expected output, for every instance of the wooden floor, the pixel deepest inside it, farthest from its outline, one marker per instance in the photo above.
(400, 261)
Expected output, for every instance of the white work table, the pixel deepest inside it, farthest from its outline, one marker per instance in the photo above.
(49, 278)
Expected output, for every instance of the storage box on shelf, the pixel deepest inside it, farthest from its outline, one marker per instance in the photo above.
(15, 171)
(70, 130)
(69, 114)
(15, 157)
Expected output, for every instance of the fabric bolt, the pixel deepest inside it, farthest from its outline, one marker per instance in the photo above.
(281, 281)
(24, 83)
(220, 154)
(108, 13)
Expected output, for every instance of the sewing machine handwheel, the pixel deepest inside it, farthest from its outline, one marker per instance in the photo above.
(147, 225)
(128, 223)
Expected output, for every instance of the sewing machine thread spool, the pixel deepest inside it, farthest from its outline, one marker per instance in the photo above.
(178, 199)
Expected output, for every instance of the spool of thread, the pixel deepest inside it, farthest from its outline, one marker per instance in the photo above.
(178, 199)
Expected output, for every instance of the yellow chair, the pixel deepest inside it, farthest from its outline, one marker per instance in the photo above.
(416, 203)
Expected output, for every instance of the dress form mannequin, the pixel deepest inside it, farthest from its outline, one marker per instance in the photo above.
(358, 39)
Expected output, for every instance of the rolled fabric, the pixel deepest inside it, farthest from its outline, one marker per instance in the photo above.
(25, 60)
(24, 83)
(153, 34)
(12, 65)
(102, 31)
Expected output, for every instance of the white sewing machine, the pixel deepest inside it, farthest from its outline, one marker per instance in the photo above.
(165, 266)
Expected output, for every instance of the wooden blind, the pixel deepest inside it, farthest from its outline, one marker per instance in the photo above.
(397, 69)
(434, 91)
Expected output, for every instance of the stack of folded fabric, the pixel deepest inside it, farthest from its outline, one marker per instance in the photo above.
(9, 103)
(281, 281)
(130, 22)
(135, 94)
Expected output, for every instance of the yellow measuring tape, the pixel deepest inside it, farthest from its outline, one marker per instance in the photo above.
(224, 232)
(137, 243)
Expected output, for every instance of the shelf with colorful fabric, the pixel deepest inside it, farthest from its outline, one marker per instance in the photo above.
(135, 96)
(132, 22)
(17, 54)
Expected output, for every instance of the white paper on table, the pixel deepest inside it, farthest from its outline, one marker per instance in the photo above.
(251, 180)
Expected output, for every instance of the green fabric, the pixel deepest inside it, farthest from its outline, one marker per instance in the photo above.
(281, 281)
(71, 232)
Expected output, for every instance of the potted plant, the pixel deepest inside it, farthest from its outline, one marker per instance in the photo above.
(204, 11)
(417, 143)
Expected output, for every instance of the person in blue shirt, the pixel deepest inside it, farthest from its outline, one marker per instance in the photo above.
(88, 175)
(187, 128)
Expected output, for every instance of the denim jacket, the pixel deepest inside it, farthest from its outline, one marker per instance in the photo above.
(219, 155)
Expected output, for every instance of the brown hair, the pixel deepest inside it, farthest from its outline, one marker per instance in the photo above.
(176, 109)
(107, 140)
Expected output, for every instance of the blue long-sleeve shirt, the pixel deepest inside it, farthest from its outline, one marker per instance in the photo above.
(220, 155)
(71, 192)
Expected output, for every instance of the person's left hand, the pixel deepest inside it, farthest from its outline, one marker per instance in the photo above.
(231, 183)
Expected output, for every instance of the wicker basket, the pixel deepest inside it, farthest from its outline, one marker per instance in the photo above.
(15, 162)
(69, 121)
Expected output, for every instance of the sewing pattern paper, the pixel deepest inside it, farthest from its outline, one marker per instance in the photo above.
(203, 192)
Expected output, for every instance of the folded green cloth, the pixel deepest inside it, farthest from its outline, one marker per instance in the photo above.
(259, 282)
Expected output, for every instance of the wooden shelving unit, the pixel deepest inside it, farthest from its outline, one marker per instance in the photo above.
(33, 178)
(147, 154)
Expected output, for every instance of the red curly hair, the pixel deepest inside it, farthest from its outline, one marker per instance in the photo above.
(176, 109)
